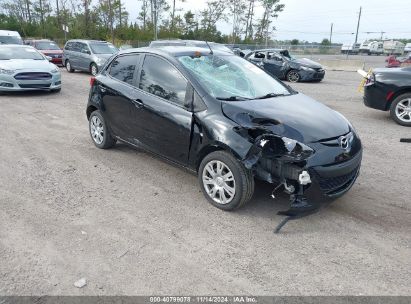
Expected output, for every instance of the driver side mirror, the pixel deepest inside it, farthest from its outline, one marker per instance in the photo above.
(86, 52)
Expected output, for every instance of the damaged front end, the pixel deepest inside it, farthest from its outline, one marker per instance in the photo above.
(312, 175)
(283, 161)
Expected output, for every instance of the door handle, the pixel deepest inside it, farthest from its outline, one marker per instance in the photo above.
(138, 103)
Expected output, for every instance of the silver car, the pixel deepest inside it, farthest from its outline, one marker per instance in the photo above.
(87, 55)
(23, 68)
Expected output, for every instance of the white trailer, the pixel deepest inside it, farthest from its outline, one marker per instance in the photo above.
(376, 48)
(393, 47)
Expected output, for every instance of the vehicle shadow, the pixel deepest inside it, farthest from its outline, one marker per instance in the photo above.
(27, 93)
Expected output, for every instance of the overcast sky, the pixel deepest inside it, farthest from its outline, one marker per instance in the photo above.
(311, 20)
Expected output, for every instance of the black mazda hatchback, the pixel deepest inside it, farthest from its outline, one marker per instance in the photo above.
(228, 121)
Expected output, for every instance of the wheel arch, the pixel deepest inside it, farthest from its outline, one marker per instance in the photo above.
(406, 90)
(216, 146)
(90, 109)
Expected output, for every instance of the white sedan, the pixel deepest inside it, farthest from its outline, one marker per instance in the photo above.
(23, 68)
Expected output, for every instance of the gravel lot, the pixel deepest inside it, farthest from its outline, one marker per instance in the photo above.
(132, 224)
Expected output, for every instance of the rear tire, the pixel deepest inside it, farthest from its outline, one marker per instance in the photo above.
(99, 132)
(400, 110)
(93, 69)
(68, 67)
(229, 188)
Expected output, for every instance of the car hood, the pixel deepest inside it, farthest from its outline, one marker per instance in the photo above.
(297, 116)
(104, 56)
(26, 64)
(307, 63)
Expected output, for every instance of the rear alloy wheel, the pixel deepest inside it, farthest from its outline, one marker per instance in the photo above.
(93, 69)
(68, 67)
(293, 76)
(401, 110)
(99, 132)
(225, 182)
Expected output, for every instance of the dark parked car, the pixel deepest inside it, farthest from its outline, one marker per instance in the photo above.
(229, 121)
(389, 89)
(281, 64)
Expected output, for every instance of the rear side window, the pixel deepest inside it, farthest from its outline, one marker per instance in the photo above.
(160, 78)
(123, 68)
(69, 46)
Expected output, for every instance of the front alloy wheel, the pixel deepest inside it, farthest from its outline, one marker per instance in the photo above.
(293, 76)
(224, 180)
(218, 181)
(401, 110)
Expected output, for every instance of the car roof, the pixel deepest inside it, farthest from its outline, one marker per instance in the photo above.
(87, 40)
(175, 51)
(16, 45)
(9, 33)
(270, 50)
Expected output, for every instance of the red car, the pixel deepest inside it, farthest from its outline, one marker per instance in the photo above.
(394, 62)
(49, 48)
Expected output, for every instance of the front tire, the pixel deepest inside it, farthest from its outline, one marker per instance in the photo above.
(293, 76)
(99, 132)
(225, 182)
(401, 110)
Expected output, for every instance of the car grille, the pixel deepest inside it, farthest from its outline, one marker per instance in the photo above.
(33, 76)
(333, 185)
(35, 86)
(54, 55)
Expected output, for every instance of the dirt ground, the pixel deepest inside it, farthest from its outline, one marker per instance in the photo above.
(132, 224)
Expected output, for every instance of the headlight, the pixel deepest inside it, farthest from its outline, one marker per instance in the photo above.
(7, 72)
(307, 69)
(286, 148)
(296, 149)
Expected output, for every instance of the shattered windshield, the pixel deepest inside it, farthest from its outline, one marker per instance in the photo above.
(229, 76)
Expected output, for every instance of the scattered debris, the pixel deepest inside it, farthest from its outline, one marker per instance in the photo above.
(407, 140)
(83, 232)
(123, 254)
(80, 283)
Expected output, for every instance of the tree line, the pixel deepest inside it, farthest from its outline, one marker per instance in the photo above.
(162, 19)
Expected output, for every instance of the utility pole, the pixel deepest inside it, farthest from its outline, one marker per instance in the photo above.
(358, 25)
(331, 33)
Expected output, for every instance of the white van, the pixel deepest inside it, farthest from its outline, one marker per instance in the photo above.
(350, 48)
(407, 48)
(10, 37)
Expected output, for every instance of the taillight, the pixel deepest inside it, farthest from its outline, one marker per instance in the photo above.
(92, 80)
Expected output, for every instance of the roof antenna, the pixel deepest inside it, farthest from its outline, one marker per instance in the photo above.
(211, 51)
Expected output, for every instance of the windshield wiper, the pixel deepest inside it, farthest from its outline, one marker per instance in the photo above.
(270, 95)
(233, 98)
